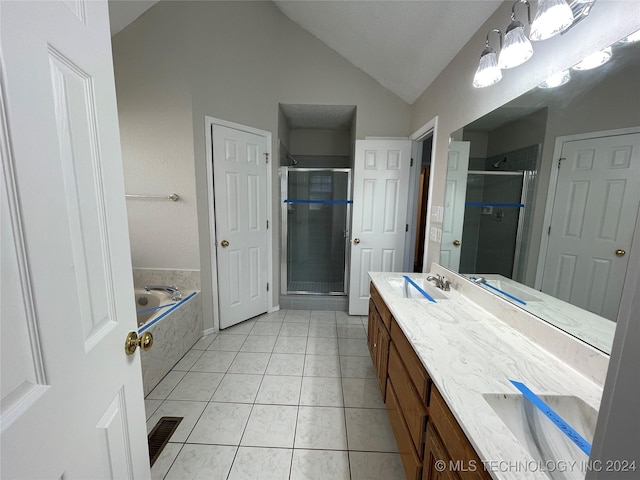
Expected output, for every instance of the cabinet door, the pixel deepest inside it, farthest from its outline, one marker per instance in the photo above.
(372, 328)
(437, 464)
(384, 340)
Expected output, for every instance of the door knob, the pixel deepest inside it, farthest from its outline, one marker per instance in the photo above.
(620, 252)
(356, 241)
(144, 341)
(456, 243)
(224, 244)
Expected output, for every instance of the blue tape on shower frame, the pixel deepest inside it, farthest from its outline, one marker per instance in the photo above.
(564, 427)
(328, 202)
(146, 326)
(488, 204)
(424, 294)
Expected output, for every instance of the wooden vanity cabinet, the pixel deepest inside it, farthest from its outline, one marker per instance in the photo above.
(425, 429)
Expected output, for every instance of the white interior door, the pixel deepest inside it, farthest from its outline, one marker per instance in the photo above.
(595, 208)
(72, 402)
(240, 188)
(455, 196)
(380, 195)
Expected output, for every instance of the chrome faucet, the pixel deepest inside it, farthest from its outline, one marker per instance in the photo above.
(172, 289)
(440, 282)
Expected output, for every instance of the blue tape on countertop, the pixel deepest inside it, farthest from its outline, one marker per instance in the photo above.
(424, 294)
(146, 326)
(564, 427)
(154, 308)
(487, 204)
(328, 202)
(505, 294)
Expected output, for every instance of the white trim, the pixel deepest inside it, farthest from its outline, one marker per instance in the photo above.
(209, 122)
(551, 193)
(430, 126)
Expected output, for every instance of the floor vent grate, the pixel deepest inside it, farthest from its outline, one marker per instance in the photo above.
(160, 435)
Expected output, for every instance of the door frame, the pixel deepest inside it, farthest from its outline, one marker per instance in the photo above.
(553, 181)
(429, 128)
(209, 123)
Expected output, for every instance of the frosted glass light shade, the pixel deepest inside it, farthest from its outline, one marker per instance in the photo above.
(594, 60)
(556, 79)
(517, 48)
(552, 18)
(488, 71)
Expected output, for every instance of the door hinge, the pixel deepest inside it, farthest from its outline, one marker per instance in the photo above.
(560, 162)
(267, 224)
(549, 231)
(406, 227)
(411, 164)
(266, 156)
(267, 286)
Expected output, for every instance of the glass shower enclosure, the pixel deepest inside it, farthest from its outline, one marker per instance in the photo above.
(316, 210)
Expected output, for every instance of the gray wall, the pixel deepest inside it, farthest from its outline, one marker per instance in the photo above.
(235, 61)
(321, 142)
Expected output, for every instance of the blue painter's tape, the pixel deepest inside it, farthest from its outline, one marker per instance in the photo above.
(487, 204)
(564, 427)
(147, 326)
(146, 310)
(424, 294)
(516, 299)
(327, 202)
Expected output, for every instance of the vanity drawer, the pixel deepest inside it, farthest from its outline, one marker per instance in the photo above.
(413, 408)
(411, 362)
(453, 438)
(382, 308)
(408, 455)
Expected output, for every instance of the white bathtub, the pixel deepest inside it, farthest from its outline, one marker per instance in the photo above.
(175, 328)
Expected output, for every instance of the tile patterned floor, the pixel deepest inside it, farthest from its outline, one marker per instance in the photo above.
(290, 395)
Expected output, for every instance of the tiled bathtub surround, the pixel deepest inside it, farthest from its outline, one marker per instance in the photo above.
(291, 395)
(187, 280)
(173, 336)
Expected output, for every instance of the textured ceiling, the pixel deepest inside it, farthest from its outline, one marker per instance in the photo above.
(404, 45)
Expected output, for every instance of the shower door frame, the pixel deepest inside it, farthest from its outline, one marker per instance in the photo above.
(284, 189)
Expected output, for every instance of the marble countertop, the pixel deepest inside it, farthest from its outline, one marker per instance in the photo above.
(469, 352)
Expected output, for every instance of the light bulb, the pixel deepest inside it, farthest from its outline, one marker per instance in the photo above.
(517, 48)
(552, 17)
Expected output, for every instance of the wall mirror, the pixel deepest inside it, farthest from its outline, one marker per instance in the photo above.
(543, 194)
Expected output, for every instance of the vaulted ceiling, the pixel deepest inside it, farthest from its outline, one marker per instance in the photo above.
(403, 45)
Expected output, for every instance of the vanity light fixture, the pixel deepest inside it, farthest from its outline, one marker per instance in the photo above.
(552, 18)
(594, 60)
(488, 72)
(556, 79)
(517, 48)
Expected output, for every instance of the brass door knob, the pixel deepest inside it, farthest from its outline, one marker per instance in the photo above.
(144, 341)
(224, 244)
(356, 241)
(620, 252)
(456, 243)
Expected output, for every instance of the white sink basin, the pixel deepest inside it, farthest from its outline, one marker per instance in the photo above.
(403, 288)
(542, 438)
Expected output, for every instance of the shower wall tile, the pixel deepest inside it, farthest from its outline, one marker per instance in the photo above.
(183, 279)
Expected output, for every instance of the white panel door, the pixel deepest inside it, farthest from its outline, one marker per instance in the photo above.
(596, 204)
(72, 402)
(454, 199)
(240, 191)
(380, 195)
